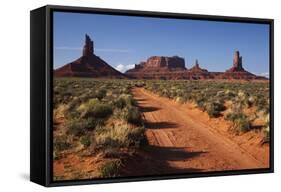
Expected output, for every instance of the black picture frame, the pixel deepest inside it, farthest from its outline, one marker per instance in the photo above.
(41, 76)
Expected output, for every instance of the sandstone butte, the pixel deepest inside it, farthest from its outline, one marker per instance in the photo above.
(156, 67)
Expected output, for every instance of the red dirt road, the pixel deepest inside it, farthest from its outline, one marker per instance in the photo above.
(181, 140)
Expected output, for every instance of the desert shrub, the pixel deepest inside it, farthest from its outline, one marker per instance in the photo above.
(75, 127)
(242, 124)
(229, 94)
(115, 137)
(56, 155)
(78, 127)
(233, 115)
(120, 103)
(85, 140)
(266, 129)
(60, 144)
(91, 103)
(131, 101)
(133, 115)
(240, 121)
(102, 111)
(220, 93)
(123, 100)
(263, 104)
(266, 134)
(242, 94)
(110, 168)
(212, 112)
(180, 99)
(243, 98)
(200, 102)
(127, 99)
(136, 136)
(70, 112)
(214, 108)
(119, 136)
(98, 110)
(100, 94)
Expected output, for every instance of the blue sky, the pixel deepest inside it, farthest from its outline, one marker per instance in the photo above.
(123, 41)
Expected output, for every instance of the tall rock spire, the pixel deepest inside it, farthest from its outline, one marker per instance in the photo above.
(88, 65)
(196, 63)
(237, 61)
(88, 48)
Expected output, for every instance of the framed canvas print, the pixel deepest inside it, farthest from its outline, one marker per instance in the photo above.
(119, 95)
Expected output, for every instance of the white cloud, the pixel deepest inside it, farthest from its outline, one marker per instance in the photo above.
(122, 68)
(264, 74)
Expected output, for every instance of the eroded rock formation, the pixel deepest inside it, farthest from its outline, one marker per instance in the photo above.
(161, 63)
(156, 67)
(237, 63)
(88, 65)
(88, 48)
(174, 68)
(196, 68)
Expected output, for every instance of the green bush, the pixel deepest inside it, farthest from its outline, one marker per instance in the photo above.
(102, 111)
(56, 155)
(110, 168)
(242, 124)
(136, 137)
(266, 129)
(201, 102)
(98, 111)
(133, 115)
(266, 134)
(100, 94)
(79, 127)
(232, 116)
(180, 100)
(60, 144)
(240, 121)
(85, 140)
(91, 103)
(119, 136)
(214, 108)
(125, 100)
(120, 102)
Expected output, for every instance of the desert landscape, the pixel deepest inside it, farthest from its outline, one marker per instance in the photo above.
(158, 118)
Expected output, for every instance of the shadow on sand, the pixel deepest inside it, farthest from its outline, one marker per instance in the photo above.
(173, 153)
(156, 160)
(149, 109)
(160, 125)
(139, 100)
